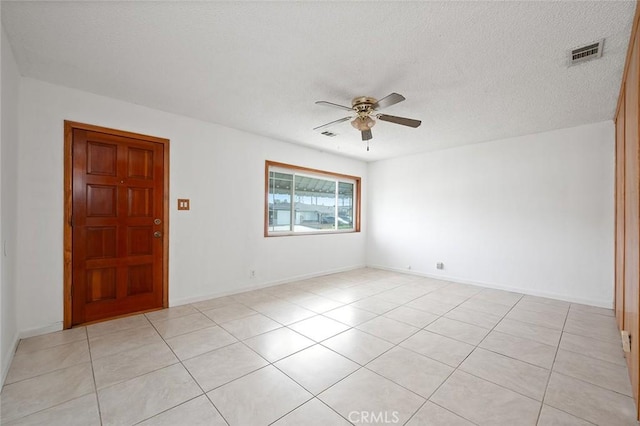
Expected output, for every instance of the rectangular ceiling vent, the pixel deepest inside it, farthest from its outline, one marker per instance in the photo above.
(586, 53)
(330, 134)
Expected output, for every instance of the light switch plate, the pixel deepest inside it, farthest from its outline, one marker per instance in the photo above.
(183, 204)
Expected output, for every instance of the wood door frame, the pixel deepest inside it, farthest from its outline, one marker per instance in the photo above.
(69, 126)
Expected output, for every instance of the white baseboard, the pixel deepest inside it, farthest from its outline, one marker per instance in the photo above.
(37, 331)
(550, 295)
(7, 358)
(187, 300)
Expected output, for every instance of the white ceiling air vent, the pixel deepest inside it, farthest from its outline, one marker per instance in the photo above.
(330, 134)
(586, 53)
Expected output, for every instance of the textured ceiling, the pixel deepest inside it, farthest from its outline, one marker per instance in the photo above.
(471, 71)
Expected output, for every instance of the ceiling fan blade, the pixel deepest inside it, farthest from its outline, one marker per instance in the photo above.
(399, 120)
(331, 104)
(389, 100)
(332, 123)
(366, 135)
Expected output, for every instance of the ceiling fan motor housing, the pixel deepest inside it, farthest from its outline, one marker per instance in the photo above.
(363, 105)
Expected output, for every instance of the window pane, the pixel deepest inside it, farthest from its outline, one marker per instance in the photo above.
(345, 205)
(280, 188)
(315, 204)
(308, 201)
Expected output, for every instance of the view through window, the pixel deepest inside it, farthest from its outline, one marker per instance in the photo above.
(301, 200)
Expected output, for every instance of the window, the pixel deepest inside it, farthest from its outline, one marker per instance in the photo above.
(308, 201)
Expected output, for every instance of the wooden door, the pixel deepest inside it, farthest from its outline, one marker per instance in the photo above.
(619, 221)
(632, 217)
(118, 225)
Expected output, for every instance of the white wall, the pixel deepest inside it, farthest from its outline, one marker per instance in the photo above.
(533, 214)
(212, 247)
(8, 211)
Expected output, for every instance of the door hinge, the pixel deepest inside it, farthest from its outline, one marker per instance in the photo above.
(71, 221)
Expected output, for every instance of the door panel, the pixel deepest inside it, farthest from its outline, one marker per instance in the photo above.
(619, 208)
(117, 206)
(632, 218)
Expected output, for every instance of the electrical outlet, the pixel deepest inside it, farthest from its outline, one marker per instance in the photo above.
(440, 265)
(252, 274)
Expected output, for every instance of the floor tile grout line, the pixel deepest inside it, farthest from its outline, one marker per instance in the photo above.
(360, 366)
(362, 284)
(426, 401)
(453, 412)
(500, 385)
(140, 315)
(190, 375)
(331, 408)
(19, 352)
(612, 341)
(52, 406)
(175, 406)
(568, 413)
(460, 364)
(314, 395)
(93, 376)
(528, 324)
(389, 341)
(589, 356)
(48, 371)
(525, 338)
(454, 369)
(292, 410)
(511, 357)
(546, 388)
(592, 384)
(272, 364)
(604, 361)
(66, 401)
(395, 345)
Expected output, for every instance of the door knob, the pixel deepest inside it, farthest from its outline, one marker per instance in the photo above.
(157, 234)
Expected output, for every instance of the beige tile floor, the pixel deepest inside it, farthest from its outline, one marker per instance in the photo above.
(364, 347)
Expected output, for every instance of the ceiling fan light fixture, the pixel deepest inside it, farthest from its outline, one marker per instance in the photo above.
(363, 123)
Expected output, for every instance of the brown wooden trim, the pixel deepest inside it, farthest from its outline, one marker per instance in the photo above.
(69, 126)
(634, 30)
(619, 191)
(115, 132)
(165, 228)
(358, 204)
(357, 179)
(68, 235)
(266, 198)
(308, 169)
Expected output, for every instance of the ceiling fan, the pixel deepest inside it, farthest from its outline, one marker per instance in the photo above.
(364, 108)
